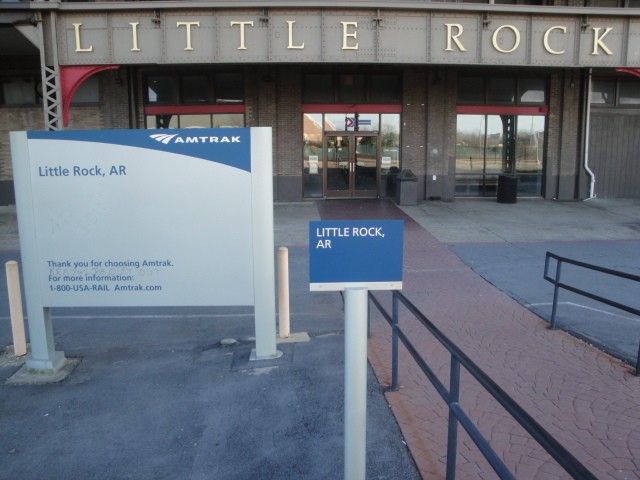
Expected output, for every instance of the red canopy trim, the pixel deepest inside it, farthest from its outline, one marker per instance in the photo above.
(632, 71)
(71, 77)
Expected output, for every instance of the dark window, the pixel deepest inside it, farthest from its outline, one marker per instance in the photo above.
(19, 91)
(351, 89)
(385, 88)
(194, 88)
(471, 90)
(531, 90)
(603, 92)
(229, 88)
(487, 90)
(501, 90)
(374, 88)
(629, 93)
(318, 88)
(161, 89)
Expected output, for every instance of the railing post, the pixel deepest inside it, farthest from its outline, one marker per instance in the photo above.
(394, 343)
(638, 363)
(15, 308)
(368, 314)
(452, 433)
(552, 323)
(283, 292)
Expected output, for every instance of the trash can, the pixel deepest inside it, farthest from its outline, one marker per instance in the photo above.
(407, 188)
(507, 189)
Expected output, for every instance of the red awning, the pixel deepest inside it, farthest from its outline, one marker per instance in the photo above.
(71, 77)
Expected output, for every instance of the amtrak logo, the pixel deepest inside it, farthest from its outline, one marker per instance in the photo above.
(169, 138)
(163, 137)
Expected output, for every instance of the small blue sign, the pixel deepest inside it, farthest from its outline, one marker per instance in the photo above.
(349, 253)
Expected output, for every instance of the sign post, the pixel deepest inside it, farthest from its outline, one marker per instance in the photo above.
(355, 382)
(355, 256)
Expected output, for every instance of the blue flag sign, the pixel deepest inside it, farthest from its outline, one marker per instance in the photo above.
(354, 253)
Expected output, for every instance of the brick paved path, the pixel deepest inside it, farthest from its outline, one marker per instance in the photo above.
(588, 400)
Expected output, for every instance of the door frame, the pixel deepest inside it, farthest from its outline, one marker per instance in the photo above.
(351, 192)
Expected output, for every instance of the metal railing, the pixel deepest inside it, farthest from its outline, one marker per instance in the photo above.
(452, 397)
(558, 284)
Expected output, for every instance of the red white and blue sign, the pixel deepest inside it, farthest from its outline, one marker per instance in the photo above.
(355, 253)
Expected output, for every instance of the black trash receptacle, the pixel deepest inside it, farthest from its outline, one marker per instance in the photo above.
(507, 189)
(407, 188)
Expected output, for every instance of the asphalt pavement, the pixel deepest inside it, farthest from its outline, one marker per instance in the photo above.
(158, 394)
(507, 244)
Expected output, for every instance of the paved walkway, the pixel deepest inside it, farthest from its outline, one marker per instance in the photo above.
(588, 400)
(113, 404)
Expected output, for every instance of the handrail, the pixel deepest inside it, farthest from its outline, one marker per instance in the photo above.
(557, 284)
(456, 415)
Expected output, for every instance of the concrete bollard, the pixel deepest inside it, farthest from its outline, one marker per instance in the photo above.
(283, 291)
(15, 309)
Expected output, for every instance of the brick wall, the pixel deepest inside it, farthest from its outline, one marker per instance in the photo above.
(441, 134)
(563, 136)
(15, 119)
(288, 137)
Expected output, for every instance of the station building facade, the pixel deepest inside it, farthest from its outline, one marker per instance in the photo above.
(461, 94)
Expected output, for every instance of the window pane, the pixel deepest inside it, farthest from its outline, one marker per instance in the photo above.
(629, 93)
(529, 143)
(602, 92)
(318, 88)
(495, 161)
(502, 90)
(385, 88)
(390, 154)
(366, 122)
(335, 122)
(19, 91)
(529, 153)
(88, 91)
(351, 89)
(519, 2)
(160, 89)
(312, 161)
(195, 121)
(194, 88)
(471, 90)
(162, 121)
(229, 88)
(228, 120)
(532, 90)
(470, 143)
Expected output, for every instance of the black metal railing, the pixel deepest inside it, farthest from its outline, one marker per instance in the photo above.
(558, 284)
(452, 397)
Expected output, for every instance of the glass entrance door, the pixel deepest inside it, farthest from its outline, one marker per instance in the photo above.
(351, 165)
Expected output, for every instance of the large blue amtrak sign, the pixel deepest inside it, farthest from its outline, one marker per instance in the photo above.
(355, 253)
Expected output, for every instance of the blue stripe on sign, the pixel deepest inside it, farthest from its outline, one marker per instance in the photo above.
(228, 146)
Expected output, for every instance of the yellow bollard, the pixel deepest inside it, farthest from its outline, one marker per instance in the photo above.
(15, 308)
(283, 291)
